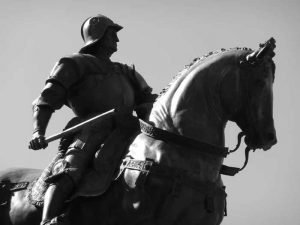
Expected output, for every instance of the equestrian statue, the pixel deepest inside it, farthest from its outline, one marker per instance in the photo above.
(133, 157)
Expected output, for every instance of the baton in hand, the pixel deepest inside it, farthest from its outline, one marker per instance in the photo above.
(80, 126)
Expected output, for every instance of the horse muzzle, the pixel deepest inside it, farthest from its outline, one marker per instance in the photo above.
(264, 141)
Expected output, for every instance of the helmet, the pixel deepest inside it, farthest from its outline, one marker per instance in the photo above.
(93, 29)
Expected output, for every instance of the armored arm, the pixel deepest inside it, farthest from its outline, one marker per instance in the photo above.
(52, 97)
(41, 117)
(144, 96)
(43, 107)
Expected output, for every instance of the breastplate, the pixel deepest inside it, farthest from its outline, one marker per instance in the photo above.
(98, 93)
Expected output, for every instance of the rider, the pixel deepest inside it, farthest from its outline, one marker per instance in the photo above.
(89, 83)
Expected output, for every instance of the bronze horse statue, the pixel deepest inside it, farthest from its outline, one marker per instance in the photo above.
(170, 173)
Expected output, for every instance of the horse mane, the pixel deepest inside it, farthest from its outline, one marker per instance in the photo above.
(198, 60)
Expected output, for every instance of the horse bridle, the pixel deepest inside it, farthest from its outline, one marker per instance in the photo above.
(253, 60)
(203, 147)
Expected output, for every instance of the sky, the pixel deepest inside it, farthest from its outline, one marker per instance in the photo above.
(160, 37)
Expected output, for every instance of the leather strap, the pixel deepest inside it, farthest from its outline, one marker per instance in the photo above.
(166, 136)
(13, 187)
(203, 147)
(177, 175)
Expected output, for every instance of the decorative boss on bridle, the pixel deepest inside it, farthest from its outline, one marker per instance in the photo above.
(254, 59)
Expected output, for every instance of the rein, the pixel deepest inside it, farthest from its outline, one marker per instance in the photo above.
(231, 171)
(203, 147)
(167, 136)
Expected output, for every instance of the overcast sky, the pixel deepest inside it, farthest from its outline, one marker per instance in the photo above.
(160, 37)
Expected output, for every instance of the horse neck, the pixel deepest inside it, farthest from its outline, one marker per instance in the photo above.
(192, 106)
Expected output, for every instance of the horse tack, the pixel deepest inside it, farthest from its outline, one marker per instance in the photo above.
(178, 177)
(6, 188)
(164, 135)
(205, 148)
(13, 187)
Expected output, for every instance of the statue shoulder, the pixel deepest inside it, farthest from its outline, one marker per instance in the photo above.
(77, 62)
(68, 70)
(77, 59)
(136, 79)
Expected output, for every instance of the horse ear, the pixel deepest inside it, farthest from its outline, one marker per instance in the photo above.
(265, 50)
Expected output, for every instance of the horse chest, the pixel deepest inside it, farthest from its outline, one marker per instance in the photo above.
(174, 156)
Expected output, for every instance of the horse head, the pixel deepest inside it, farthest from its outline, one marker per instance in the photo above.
(254, 110)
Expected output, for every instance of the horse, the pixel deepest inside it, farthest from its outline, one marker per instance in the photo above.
(171, 172)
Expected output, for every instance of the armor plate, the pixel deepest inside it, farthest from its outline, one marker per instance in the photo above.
(95, 87)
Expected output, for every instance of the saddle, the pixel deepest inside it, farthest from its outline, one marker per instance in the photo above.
(99, 175)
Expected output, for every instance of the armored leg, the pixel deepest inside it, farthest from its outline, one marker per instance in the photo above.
(69, 171)
(55, 197)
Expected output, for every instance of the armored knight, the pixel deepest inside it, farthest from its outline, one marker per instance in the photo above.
(89, 83)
